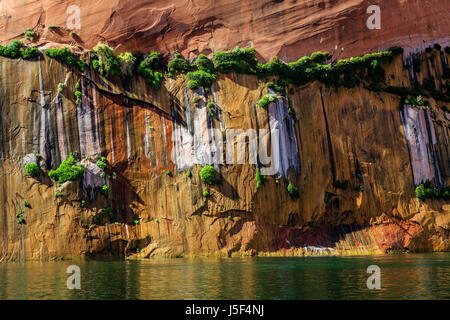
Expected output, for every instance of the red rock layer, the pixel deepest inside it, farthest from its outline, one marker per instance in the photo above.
(287, 28)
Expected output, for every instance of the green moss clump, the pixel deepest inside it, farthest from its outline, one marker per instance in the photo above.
(204, 64)
(32, 169)
(67, 171)
(267, 99)
(208, 174)
(29, 53)
(65, 56)
(58, 195)
(26, 204)
(237, 60)
(16, 50)
(102, 163)
(292, 190)
(320, 57)
(206, 193)
(29, 34)
(417, 102)
(188, 174)
(275, 87)
(259, 178)
(61, 86)
(211, 107)
(179, 64)
(146, 69)
(78, 96)
(12, 50)
(200, 78)
(104, 190)
(105, 62)
(426, 191)
(396, 50)
(126, 61)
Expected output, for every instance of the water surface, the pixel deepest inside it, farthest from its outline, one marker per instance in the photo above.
(408, 276)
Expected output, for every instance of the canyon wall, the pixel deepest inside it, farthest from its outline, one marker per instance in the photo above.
(288, 29)
(151, 139)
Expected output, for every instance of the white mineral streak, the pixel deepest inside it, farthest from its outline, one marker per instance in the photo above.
(199, 143)
(62, 143)
(420, 144)
(92, 178)
(284, 148)
(88, 144)
(128, 137)
(42, 129)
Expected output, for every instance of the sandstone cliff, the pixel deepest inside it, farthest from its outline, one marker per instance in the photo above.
(152, 138)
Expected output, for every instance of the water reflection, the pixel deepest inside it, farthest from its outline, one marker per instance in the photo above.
(421, 276)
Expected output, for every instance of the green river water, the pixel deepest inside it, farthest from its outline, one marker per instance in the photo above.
(405, 276)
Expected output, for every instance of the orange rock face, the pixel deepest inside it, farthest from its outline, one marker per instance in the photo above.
(289, 29)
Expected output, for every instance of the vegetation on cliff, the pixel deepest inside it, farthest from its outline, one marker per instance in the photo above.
(67, 171)
(65, 56)
(208, 174)
(427, 191)
(16, 49)
(32, 169)
(293, 191)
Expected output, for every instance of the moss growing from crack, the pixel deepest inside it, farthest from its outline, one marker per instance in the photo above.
(275, 87)
(208, 174)
(426, 191)
(67, 171)
(259, 178)
(237, 60)
(267, 99)
(102, 163)
(293, 191)
(16, 49)
(179, 64)
(188, 174)
(65, 56)
(104, 190)
(204, 64)
(61, 86)
(211, 107)
(29, 34)
(104, 61)
(26, 204)
(147, 69)
(200, 78)
(416, 102)
(32, 169)
(168, 173)
(126, 62)
(206, 193)
(78, 95)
